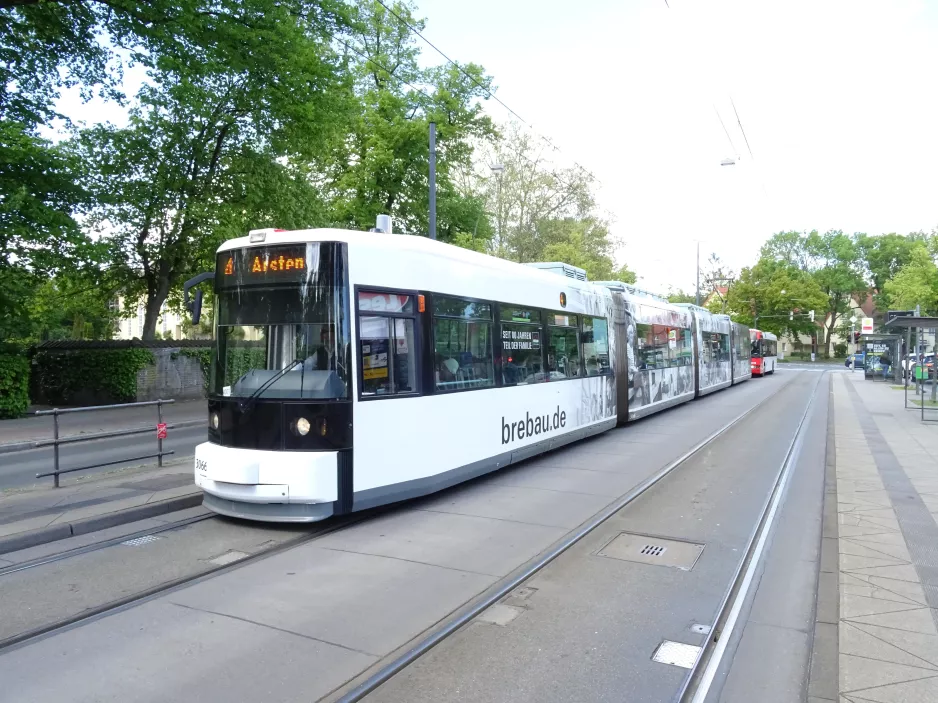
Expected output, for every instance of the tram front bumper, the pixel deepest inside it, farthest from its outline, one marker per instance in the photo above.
(257, 476)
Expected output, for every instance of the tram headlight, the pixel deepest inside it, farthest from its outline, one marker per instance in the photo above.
(214, 421)
(302, 426)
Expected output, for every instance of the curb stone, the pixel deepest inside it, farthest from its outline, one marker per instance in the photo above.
(53, 533)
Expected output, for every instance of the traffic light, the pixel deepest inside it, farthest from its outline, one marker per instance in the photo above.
(856, 337)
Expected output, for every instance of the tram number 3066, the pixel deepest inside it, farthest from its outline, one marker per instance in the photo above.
(201, 466)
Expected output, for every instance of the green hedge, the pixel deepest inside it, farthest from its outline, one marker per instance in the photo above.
(240, 360)
(92, 375)
(14, 383)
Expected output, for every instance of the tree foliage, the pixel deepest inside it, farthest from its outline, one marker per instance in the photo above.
(252, 113)
(915, 283)
(758, 293)
(546, 213)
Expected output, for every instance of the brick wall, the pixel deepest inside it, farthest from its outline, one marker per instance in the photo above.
(172, 375)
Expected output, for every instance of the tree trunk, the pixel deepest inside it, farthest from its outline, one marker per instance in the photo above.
(155, 299)
(828, 331)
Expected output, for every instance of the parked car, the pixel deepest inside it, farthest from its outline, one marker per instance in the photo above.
(860, 360)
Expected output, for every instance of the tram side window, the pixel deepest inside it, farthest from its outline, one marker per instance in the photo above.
(387, 344)
(520, 339)
(681, 345)
(462, 344)
(718, 346)
(652, 346)
(563, 349)
(595, 340)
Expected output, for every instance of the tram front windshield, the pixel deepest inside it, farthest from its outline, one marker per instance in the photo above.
(282, 323)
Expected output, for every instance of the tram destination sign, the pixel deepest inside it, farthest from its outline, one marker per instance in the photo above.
(259, 265)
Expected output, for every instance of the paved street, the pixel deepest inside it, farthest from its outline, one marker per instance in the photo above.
(19, 469)
(839, 609)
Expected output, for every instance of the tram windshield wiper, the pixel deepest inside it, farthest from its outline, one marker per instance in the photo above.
(244, 404)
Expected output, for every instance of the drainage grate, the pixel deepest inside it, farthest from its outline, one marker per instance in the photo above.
(646, 549)
(676, 654)
(137, 541)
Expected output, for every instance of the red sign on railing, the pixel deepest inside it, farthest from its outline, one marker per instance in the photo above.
(161, 430)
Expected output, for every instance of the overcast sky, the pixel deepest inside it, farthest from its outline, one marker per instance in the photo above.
(838, 100)
(837, 97)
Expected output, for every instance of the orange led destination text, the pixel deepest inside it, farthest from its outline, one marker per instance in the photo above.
(277, 264)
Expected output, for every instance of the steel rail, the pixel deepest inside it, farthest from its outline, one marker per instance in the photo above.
(506, 586)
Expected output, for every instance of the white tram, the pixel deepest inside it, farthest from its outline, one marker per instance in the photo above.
(354, 369)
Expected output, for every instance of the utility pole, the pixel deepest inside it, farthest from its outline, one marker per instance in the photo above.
(698, 274)
(433, 180)
(853, 338)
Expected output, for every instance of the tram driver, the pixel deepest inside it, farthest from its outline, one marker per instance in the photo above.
(323, 358)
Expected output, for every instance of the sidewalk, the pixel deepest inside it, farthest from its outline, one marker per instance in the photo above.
(887, 536)
(46, 514)
(30, 429)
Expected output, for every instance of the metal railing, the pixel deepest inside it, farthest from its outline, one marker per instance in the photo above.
(57, 441)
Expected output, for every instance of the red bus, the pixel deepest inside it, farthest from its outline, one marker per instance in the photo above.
(764, 352)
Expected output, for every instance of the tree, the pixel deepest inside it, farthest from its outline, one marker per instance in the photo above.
(679, 296)
(756, 298)
(833, 260)
(38, 234)
(716, 277)
(886, 254)
(382, 166)
(838, 269)
(916, 283)
(229, 95)
(544, 213)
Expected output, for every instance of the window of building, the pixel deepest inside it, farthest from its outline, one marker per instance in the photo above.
(563, 348)
(462, 344)
(520, 343)
(595, 340)
(387, 343)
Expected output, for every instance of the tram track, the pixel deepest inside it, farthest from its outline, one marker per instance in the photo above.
(118, 605)
(359, 688)
(103, 544)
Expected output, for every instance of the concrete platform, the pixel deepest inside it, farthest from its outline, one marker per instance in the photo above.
(887, 505)
(45, 514)
(302, 623)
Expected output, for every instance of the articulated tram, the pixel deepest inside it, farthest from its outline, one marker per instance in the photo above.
(354, 369)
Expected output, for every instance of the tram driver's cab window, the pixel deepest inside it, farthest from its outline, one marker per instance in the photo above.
(387, 344)
(462, 344)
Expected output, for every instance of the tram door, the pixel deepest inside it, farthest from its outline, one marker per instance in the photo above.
(623, 328)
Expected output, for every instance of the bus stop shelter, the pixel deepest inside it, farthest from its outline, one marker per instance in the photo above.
(875, 346)
(922, 373)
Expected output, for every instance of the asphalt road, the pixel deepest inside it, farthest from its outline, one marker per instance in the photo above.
(19, 469)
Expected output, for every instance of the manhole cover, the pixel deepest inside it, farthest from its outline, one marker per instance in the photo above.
(646, 549)
(676, 654)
